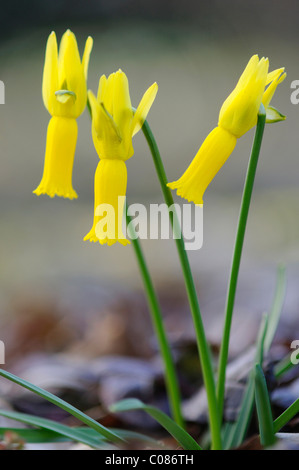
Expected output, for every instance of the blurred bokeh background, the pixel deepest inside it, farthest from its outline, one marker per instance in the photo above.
(196, 51)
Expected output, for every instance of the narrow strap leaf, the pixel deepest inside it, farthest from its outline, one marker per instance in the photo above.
(283, 366)
(263, 407)
(45, 435)
(286, 416)
(277, 305)
(49, 425)
(235, 433)
(34, 436)
(102, 430)
(183, 438)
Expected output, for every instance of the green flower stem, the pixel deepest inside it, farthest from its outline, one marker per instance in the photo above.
(245, 204)
(170, 373)
(204, 352)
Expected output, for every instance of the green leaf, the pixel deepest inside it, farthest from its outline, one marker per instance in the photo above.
(183, 438)
(132, 435)
(273, 115)
(35, 436)
(45, 435)
(49, 425)
(283, 366)
(276, 308)
(286, 416)
(263, 406)
(102, 430)
(235, 433)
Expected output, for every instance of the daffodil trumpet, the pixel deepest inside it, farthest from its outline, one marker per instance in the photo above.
(59, 158)
(237, 116)
(64, 94)
(211, 156)
(114, 123)
(110, 185)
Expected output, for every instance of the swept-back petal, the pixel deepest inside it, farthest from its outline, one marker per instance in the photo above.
(144, 107)
(272, 75)
(114, 120)
(86, 55)
(71, 73)
(122, 107)
(249, 70)
(102, 88)
(239, 111)
(105, 133)
(95, 113)
(274, 78)
(50, 74)
(107, 95)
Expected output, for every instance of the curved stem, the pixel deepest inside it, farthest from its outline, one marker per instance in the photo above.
(232, 285)
(203, 348)
(170, 373)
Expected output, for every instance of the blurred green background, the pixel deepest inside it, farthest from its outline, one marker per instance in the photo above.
(196, 51)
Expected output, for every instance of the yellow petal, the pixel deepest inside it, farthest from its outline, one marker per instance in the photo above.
(101, 88)
(71, 72)
(86, 55)
(239, 112)
(274, 75)
(50, 75)
(59, 159)
(143, 108)
(274, 79)
(105, 129)
(113, 117)
(122, 107)
(211, 156)
(109, 198)
(95, 112)
(107, 97)
(248, 72)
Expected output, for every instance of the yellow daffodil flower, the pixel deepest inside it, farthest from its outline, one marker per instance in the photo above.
(238, 115)
(113, 125)
(65, 95)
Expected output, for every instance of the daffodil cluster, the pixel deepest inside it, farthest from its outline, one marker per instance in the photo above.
(114, 123)
(238, 115)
